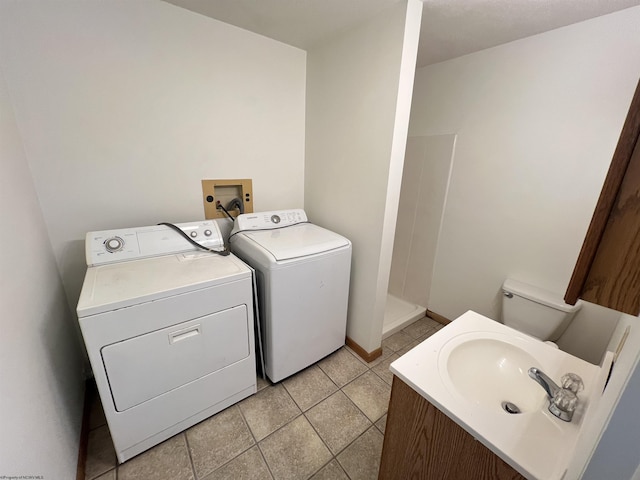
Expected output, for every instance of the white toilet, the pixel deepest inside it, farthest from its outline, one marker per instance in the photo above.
(535, 311)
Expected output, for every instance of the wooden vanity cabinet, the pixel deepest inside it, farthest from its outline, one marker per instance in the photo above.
(607, 271)
(421, 442)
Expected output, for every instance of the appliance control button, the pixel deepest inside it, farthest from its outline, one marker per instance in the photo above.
(194, 234)
(207, 233)
(114, 244)
(275, 218)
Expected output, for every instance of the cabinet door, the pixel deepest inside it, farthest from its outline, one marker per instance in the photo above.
(608, 269)
(422, 443)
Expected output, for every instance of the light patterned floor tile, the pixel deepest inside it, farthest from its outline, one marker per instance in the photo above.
(382, 424)
(110, 475)
(338, 421)
(342, 367)
(331, 471)
(262, 383)
(370, 394)
(361, 459)
(420, 327)
(353, 352)
(217, 440)
(382, 369)
(268, 410)
(248, 466)
(309, 387)
(396, 341)
(294, 452)
(166, 461)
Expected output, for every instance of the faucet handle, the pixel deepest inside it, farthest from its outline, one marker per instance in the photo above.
(563, 404)
(572, 382)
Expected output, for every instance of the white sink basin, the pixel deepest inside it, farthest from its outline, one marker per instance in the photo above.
(488, 369)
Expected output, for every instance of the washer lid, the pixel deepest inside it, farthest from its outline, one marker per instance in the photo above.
(297, 240)
(118, 285)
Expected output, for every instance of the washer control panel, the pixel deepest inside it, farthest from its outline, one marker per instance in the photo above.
(110, 246)
(269, 220)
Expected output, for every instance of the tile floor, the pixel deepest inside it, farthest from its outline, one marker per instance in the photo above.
(326, 422)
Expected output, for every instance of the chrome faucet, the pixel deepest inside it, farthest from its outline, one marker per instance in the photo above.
(545, 382)
(562, 400)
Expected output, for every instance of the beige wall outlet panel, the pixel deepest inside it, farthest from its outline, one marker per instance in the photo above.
(215, 192)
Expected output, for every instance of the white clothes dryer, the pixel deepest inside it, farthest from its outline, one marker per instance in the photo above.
(303, 273)
(169, 330)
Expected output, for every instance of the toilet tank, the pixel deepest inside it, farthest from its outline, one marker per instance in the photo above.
(536, 311)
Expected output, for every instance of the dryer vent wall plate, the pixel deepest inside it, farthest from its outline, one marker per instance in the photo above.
(225, 191)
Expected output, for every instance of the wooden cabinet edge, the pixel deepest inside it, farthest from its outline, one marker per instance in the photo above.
(622, 156)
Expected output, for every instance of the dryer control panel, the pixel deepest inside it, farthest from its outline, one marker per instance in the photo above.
(111, 246)
(269, 220)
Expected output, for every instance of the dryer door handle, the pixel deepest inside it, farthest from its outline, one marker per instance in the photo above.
(185, 333)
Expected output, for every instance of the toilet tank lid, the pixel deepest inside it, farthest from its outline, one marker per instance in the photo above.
(539, 295)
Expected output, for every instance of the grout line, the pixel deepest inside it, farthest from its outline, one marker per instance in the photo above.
(186, 441)
(355, 440)
(319, 401)
(330, 460)
(246, 424)
(365, 415)
(257, 443)
(231, 460)
(323, 442)
(334, 382)
(265, 461)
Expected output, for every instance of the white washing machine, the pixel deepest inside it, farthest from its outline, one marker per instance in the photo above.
(303, 275)
(169, 330)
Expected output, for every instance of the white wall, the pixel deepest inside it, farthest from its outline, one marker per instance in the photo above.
(41, 382)
(425, 178)
(125, 106)
(618, 452)
(358, 98)
(537, 123)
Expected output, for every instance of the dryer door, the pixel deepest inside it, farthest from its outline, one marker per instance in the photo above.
(143, 367)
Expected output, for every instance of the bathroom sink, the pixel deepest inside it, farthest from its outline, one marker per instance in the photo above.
(490, 370)
(470, 367)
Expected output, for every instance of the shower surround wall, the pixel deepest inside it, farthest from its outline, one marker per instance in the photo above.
(425, 178)
(537, 121)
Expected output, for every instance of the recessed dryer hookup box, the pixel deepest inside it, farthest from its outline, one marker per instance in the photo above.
(224, 192)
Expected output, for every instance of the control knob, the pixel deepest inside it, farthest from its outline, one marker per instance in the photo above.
(113, 244)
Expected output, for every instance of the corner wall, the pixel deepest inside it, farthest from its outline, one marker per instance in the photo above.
(41, 381)
(537, 121)
(358, 98)
(125, 106)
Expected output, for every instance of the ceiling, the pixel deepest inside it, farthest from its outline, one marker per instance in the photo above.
(450, 28)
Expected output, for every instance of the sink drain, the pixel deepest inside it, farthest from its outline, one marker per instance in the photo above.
(510, 407)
